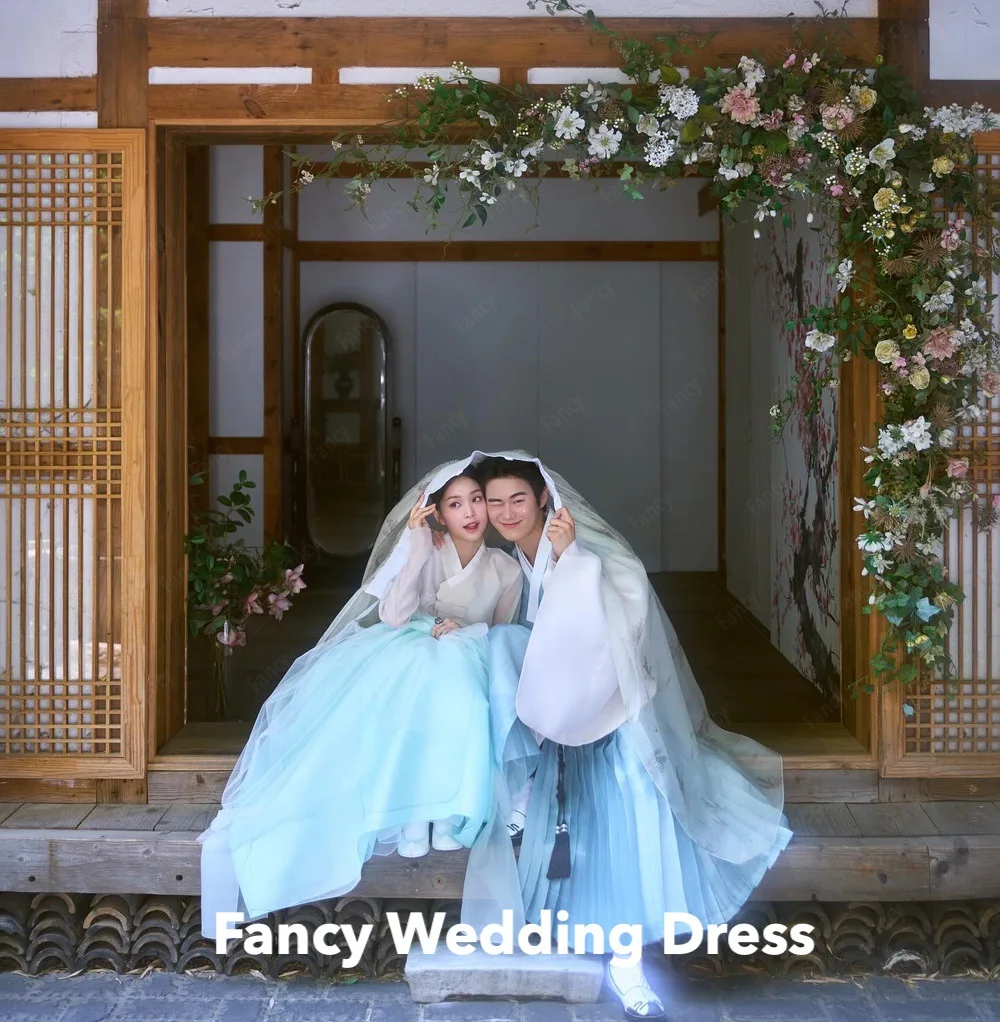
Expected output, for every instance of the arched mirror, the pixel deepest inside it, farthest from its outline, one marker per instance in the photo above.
(347, 470)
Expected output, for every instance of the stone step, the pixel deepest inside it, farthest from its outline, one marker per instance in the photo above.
(444, 974)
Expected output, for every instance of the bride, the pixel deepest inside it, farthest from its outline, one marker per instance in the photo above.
(377, 739)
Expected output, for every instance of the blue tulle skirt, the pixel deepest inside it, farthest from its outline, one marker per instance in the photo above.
(630, 860)
(386, 727)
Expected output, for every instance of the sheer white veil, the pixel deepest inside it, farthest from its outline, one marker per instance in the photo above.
(725, 789)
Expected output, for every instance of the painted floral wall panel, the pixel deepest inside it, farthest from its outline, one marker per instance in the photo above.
(804, 529)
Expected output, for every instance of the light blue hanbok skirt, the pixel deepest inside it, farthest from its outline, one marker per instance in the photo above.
(385, 727)
(630, 859)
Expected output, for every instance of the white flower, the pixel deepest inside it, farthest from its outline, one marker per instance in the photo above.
(680, 100)
(942, 299)
(946, 438)
(305, 177)
(883, 153)
(818, 341)
(912, 130)
(431, 174)
(603, 141)
(744, 169)
(961, 121)
(510, 185)
(753, 72)
(335, 144)
(871, 544)
(845, 271)
(647, 125)
(594, 95)
(774, 411)
(889, 444)
(470, 175)
(488, 117)
(756, 233)
(487, 200)
(489, 159)
(516, 167)
(977, 291)
(532, 149)
(795, 104)
(879, 563)
(659, 150)
(864, 506)
(727, 173)
(918, 433)
(569, 123)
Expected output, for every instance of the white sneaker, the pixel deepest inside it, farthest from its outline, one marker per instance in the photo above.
(414, 841)
(633, 990)
(443, 837)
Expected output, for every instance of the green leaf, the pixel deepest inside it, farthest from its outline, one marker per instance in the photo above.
(669, 75)
(470, 221)
(691, 131)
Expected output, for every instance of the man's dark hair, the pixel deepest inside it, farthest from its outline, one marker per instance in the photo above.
(508, 468)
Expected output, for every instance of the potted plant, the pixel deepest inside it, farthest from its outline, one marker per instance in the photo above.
(229, 582)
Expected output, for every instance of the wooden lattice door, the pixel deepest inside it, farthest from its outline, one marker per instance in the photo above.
(72, 453)
(952, 728)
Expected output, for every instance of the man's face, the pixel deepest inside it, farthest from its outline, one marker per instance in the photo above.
(513, 509)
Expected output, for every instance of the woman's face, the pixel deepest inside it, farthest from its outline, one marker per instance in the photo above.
(513, 509)
(463, 509)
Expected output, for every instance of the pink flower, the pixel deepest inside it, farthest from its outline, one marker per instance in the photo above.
(216, 608)
(940, 343)
(836, 189)
(900, 363)
(836, 116)
(236, 637)
(278, 603)
(887, 388)
(741, 105)
(226, 578)
(990, 381)
(293, 579)
(789, 60)
(919, 359)
(807, 66)
(252, 604)
(772, 121)
(958, 468)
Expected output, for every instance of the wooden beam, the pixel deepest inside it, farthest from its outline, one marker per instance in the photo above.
(22, 94)
(508, 251)
(330, 105)
(490, 42)
(235, 232)
(17, 789)
(273, 344)
(122, 63)
(121, 791)
(197, 281)
(236, 444)
(943, 92)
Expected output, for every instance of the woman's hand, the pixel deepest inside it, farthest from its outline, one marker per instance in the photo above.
(561, 531)
(444, 625)
(420, 514)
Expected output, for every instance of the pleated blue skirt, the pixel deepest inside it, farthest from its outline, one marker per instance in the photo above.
(631, 861)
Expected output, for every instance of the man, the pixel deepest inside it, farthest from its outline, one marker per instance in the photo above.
(571, 640)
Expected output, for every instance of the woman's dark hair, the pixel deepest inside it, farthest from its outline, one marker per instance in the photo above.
(437, 497)
(508, 468)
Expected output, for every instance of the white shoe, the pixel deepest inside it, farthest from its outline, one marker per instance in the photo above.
(632, 989)
(443, 837)
(414, 841)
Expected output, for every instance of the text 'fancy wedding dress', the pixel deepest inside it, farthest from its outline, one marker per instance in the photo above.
(377, 726)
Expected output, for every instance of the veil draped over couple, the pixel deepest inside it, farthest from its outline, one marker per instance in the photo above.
(529, 702)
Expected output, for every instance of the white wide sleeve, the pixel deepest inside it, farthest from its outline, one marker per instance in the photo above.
(512, 579)
(401, 599)
(568, 690)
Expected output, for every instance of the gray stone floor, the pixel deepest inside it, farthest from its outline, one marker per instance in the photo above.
(164, 997)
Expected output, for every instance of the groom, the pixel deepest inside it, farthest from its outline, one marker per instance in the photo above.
(583, 705)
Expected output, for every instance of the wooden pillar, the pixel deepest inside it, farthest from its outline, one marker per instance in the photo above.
(904, 39)
(122, 63)
(122, 77)
(273, 347)
(197, 285)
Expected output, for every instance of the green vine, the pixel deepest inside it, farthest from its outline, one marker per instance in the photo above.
(917, 246)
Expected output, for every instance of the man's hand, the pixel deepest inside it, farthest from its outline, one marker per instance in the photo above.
(561, 531)
(444, 626)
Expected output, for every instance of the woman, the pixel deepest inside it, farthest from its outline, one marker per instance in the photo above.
(379, 733)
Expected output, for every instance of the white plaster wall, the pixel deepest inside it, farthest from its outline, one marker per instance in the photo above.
(48, 38)
(964, 39)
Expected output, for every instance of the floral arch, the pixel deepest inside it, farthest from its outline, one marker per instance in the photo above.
(917, 246)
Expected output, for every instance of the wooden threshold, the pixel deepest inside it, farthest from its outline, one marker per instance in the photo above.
(845, 852)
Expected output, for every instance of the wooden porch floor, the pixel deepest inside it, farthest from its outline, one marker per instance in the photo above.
(901, 851)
